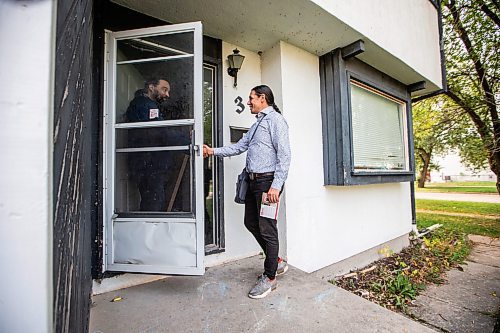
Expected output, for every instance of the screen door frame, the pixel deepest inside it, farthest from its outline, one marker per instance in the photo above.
(110, 125)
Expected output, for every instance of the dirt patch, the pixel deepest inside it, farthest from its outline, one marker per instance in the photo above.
(395, 281)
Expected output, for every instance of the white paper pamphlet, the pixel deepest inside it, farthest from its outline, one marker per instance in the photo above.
(267, 209)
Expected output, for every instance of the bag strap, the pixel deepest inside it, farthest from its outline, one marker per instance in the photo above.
(256, 127)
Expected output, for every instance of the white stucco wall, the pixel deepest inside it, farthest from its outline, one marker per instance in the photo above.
(326, 224)
(271, 72)
(239, 242)
(27, 38)
(408, 30)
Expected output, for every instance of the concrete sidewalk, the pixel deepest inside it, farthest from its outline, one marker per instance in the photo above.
(470, 301)
(472, 197)
(218, 302)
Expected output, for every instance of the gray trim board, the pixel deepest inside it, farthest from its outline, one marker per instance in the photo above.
(332, 121)
(417, 86)
(353, 49)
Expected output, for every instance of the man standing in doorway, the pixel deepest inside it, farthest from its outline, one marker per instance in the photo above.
(267, 163)
(149, 170)
(146, 103)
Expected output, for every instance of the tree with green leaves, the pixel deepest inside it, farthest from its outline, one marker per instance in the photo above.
(429, 140)
(471, 32)
(438, 126)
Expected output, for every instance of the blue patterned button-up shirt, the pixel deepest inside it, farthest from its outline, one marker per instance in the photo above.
(269, 150)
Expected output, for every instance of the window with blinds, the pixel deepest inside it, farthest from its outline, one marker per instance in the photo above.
(378, 130)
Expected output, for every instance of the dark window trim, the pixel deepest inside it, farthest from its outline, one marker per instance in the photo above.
(351, 76)
(218, 139)
(335, 75)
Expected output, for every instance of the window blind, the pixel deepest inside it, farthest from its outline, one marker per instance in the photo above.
(378, 131)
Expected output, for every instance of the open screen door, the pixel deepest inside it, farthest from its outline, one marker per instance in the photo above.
(153, 166)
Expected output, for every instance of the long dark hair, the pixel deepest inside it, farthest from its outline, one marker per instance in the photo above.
(268, 94)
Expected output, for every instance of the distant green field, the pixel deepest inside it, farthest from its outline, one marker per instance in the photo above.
(460, 187)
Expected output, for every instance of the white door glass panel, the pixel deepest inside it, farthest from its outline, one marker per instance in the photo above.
(153, 203)
(378, 131)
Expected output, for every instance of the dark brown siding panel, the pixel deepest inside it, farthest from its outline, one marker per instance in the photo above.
(74, 173)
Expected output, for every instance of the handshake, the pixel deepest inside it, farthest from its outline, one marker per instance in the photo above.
(207, 151)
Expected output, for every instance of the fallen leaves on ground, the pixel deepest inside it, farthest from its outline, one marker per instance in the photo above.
(395, 281)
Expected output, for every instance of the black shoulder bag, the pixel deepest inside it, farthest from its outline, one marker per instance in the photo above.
(242, 181)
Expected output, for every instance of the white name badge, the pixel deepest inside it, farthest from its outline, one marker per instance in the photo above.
(153, 113)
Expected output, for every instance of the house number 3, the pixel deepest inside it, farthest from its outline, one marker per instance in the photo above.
(240, 105)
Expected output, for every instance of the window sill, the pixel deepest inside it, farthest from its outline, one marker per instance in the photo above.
(381, 173)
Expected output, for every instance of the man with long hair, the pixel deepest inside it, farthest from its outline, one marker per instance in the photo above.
(267, 163)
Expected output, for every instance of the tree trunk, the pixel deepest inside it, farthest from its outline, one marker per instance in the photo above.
(498, 184)
(494, 161)
(426, 161)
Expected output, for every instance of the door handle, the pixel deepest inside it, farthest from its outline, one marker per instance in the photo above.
(196, 148)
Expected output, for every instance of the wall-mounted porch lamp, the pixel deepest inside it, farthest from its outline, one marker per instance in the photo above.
(235, 60)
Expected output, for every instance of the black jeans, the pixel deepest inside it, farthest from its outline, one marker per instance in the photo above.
(265, 230)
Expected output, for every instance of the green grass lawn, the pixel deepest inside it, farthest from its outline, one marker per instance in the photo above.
(460, 187)
(480, 208)
(479, 225)
(469, 225)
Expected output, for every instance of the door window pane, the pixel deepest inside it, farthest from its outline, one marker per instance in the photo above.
(152, 170)
(378, 131)
(139, 48)
(153, 182)
(136, 100)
